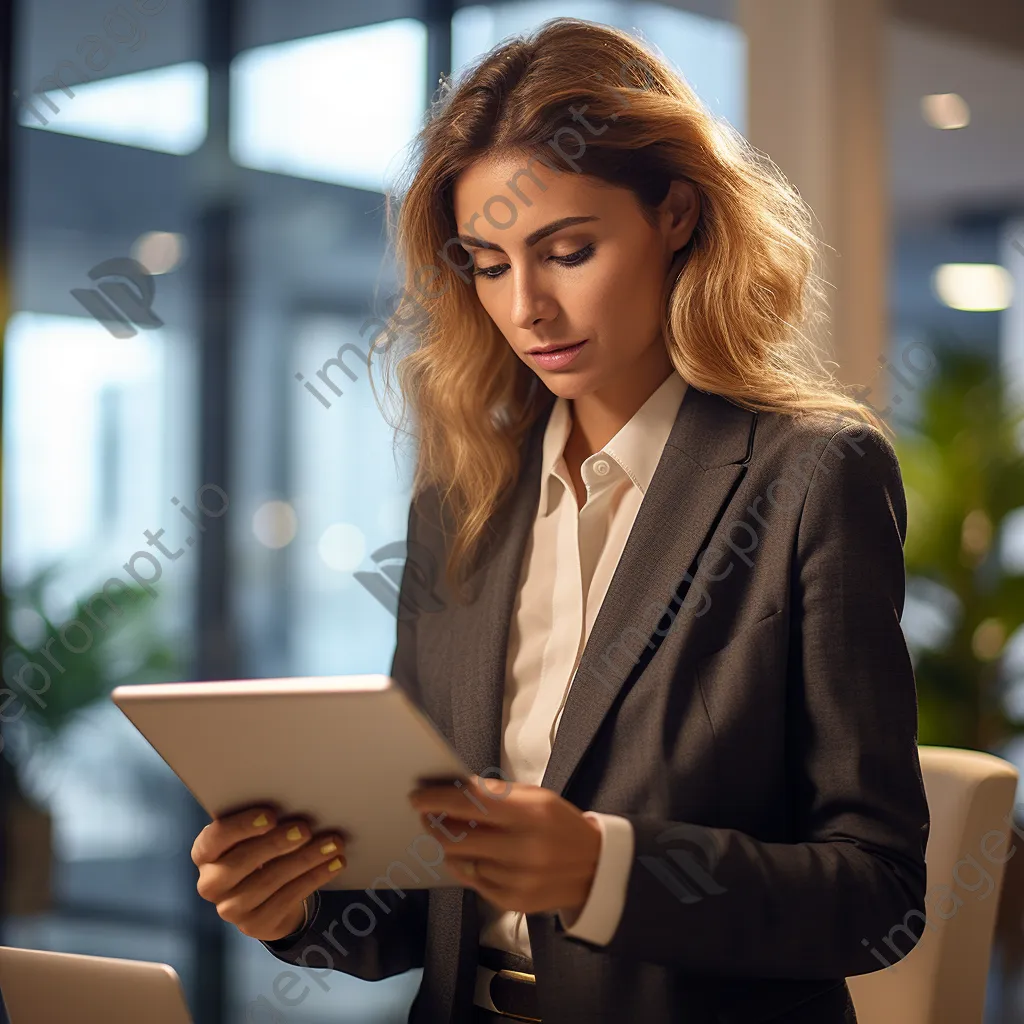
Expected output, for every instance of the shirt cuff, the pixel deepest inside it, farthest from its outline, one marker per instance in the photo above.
(601, 913)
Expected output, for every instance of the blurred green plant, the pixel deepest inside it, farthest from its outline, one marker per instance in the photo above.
(963, 473)
(130, 650)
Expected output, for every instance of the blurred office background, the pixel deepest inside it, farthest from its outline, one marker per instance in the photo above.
(239, 152)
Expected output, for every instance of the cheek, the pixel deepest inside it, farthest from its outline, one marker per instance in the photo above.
(622, 302)
(592, 296)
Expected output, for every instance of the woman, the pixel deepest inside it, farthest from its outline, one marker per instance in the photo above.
(669, 629)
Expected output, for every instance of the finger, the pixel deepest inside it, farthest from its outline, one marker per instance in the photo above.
(474, 802)
(223, 833)
(244, 860)
(289, 836)
(477, 790)
(495, 789)
(504, 896)
(507, 877)
(493, 843)
(445, 824)
(504, 885)
(463, 823)
(281, 884)
(273, 916)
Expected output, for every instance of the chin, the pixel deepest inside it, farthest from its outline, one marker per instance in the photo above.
(567, 385)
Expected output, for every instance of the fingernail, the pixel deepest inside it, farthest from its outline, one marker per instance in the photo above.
(335, 864)
(260, 821)
(328, 847)
(294, 833)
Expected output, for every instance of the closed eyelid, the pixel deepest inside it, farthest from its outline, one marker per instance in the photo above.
(569, 261)
(551, 255)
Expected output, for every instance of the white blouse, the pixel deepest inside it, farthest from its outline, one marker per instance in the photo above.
(568, 563)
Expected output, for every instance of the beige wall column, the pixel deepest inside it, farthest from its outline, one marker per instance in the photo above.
(816, 105)
(1011, 333)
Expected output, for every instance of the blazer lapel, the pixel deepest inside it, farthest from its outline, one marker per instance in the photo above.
(479, 683)
(702, 463)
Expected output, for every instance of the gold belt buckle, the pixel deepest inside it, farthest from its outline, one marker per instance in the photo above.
(518, 976)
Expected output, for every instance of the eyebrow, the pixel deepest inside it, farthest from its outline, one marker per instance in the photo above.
(531, 239)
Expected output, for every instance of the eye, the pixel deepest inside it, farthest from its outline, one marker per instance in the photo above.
(574, 259)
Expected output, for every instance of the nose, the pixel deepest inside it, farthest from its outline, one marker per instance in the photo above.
(532, 300)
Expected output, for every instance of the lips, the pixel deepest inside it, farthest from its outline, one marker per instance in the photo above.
(556, 359)
(540, 349)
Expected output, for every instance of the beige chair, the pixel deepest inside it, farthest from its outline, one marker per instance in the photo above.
(942, 980)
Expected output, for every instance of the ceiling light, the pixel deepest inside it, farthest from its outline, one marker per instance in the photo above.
(946, 110)
(974, 287)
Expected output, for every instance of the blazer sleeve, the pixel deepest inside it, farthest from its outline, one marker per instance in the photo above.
(394, 920)
(818, 907)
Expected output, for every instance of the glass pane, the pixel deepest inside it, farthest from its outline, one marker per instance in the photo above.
(287, 116)
(97, 575)
(710, 53)
(163, 109)
(99, 467)
(351, 499)
(320, 487)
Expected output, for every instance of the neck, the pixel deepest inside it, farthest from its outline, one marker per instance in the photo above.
(597, 417)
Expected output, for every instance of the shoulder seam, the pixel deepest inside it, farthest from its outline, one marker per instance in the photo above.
(814, 473)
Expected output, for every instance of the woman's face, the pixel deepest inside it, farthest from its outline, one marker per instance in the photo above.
(600, 280)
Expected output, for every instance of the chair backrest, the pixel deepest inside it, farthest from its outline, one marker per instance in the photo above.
(943, 979)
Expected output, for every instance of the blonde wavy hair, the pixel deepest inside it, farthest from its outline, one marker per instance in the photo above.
(740, 318)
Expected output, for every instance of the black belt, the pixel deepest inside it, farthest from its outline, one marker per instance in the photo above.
(512, 989)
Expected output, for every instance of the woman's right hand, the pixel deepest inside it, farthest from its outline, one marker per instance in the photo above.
(257, 872)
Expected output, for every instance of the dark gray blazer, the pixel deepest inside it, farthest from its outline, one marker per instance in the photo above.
(746, 699)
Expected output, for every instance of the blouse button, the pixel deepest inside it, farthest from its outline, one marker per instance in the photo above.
(601, 467)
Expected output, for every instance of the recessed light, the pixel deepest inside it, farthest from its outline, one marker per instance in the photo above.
(946, 110)
(974, 287)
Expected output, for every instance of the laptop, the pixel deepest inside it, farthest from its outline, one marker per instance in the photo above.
(41, 987)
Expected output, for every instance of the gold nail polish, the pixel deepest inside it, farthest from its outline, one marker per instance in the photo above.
(294, 833)
(335, 864)
(328, 847)
(260, 821)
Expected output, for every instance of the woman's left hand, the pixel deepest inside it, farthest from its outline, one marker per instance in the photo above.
(534, 851)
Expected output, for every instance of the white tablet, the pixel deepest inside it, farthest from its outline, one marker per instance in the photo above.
(343, 751)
